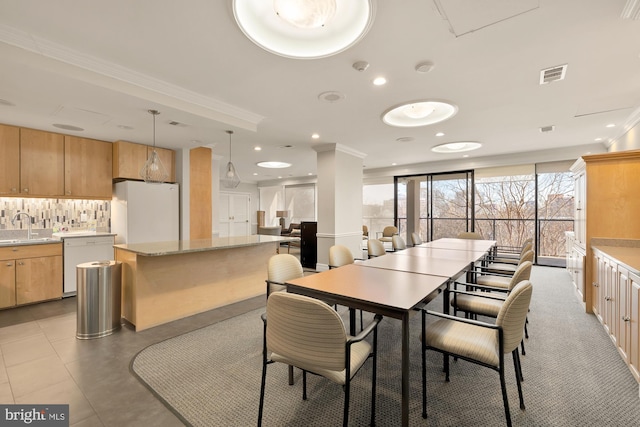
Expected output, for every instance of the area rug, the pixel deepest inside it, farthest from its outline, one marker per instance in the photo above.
(573, 375)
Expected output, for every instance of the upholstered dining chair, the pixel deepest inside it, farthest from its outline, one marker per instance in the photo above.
(507, 251)
(469, 235)
(305, 332)
(486, 300)
(340, 255)
(512, 258)
(388, 232)
(478, 342)
(507, 269)
(416, 239)
(280, 269)
(398, 243)
(375, 248)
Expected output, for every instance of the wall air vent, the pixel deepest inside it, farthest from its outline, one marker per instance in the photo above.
(174, 123)
(547, 128)
(553, 74)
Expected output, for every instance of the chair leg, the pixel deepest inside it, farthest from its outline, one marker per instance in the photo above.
(518, 369)
(526, 332)
(304, 385)
(524, 353)
(262, 387)
(374, 375)
(290, 375)
(347, 392)
(505, 400)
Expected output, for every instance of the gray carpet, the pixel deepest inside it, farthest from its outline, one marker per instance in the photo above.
(573, 375)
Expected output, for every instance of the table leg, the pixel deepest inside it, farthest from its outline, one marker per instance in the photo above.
(352, 321)
(405, 369)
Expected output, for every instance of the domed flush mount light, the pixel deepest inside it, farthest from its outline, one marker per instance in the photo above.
(274, 165)
(456, 147)
(304, 29)
(419, 113)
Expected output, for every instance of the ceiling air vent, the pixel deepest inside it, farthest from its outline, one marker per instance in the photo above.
(174, 123)
(547, 128)
(553, 74)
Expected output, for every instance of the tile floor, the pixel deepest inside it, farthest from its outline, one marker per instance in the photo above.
(43, 363)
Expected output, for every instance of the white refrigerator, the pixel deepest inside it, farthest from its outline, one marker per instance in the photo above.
(142, 213)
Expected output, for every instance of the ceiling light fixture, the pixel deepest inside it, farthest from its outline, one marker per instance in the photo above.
(231, 178)
(379, 81)
(456, 147)
(419, 113)
(315, 136)
(153, 171)
(304, 28)
(273, 165)
(611, 125)
(440, 134)
(257, 148)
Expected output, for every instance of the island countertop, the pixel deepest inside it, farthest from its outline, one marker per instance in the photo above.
(200, 245)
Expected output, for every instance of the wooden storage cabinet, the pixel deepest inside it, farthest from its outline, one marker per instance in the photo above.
(30, 273)
(617, 296)
(9, 160)
(41, 163)
(129, 158)
(87, 168)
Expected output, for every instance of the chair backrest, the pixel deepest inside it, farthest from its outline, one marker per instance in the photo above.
(513, 315)
(525, 248)
(398, 243)
(416, 239)
(472, 235)
(270, 231)
(389, 231)
(283, 267)
(375, 248)
(527, 256)
(523, 272)
(340, 255)
(306, 331)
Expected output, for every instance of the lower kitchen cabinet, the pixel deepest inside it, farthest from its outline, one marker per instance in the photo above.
(616, 301)
(30, 273)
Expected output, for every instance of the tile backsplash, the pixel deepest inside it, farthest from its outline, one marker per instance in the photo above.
(47, 213)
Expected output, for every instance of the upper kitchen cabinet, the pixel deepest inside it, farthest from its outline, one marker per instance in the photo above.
(87, 168)
(41, 163)
(9, 160)
(129, 158)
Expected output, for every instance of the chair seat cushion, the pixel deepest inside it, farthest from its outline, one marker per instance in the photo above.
(499, 267)
(494, 281)
(479, 304)
(359, 353)
(464, 340)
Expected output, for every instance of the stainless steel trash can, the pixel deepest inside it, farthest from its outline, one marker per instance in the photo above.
(98, 298)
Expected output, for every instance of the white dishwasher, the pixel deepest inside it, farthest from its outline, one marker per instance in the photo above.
(79, 249)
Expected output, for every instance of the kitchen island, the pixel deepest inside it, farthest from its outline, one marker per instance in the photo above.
(166, 281)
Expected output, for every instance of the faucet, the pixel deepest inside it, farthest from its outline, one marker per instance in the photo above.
(16, 216)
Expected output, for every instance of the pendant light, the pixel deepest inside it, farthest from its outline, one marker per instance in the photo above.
(230, 178)
(153, 171)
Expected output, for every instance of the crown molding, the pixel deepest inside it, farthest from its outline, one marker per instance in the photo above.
(61, 53)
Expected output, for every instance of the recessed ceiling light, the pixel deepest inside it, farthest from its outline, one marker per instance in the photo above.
(456, 147)
(274, 165)
(292, 30)
(310, 173)
(465, 155)
(393, 164)
(379, 81)
(255, 174)
(257, 148)
(424, 67)
(331, 96)
(125, 127)
(598, 139)
(440, 134)
(67, 127)
(315, 136)
(419, 113)
(279, 176)
(611, 125)
(405, 139)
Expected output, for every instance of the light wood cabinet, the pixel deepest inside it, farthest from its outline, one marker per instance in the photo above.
(129, 158)
(607, 188)
(41, 163)
(9, 160)
(88, 168)
(617, 293)
(7, 283)
(36, 271)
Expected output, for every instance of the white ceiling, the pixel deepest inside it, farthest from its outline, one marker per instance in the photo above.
(101, 65)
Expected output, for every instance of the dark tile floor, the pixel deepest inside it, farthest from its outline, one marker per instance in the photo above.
(43, 363)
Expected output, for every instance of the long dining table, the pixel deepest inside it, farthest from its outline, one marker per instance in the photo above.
(394, 285)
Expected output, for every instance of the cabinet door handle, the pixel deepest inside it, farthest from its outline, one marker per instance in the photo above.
(9, 264)
(21, 263)
(626, 318)
(26, 190)
(607, 298)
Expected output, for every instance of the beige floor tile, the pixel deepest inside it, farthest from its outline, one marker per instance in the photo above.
(68, 349)
(3, 371)
(36, 375)
(26, 349)
(18, 332)
(59, 327)
(6, 396)
(93, 421)
(65, 392)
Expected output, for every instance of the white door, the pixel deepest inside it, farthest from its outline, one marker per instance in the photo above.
(234, 214)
